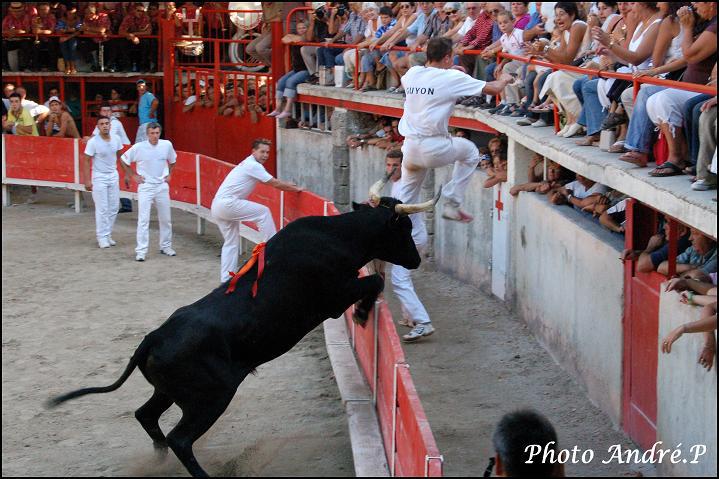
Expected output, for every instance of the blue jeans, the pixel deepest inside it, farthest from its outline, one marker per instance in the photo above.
(548, 117)
(287, 85)
(639, 134)
(489, 71)
(692, 112)
(327, 56)
(367, 62)
(69, 50)
(592, 114)
(529, 88)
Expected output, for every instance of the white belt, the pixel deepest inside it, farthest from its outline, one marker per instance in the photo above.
(420, 138)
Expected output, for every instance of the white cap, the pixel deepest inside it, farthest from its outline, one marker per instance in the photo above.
(52, 99)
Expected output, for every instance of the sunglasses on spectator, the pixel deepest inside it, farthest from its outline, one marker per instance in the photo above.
(495, 11)
(451, 11)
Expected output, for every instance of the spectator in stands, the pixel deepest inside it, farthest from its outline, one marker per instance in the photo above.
(119, 108)
(479, 37)
(328, 57)
(8, 90)
(701, 255)
(691, 111)
(97, 24)
(392, 139)
(69, 26)
(706, 179)
(350, 32)
(370, 14)
(406, 17)
(696, 293)
(513, 439)
(287, 84)
(37, 111)
(613, 217)
(14, 24)
(558, 85)
(116, 127)
(596, 95)
(497, 172)
(54, 91)
(261, 47)
(580, 193)
(134, 49)
(19, 120)
(317, 31)
(377, 131)
(370, 58)
(657, 249)
(535, 176)
(230, 207)
(191, 101)
(43, 24)
(664, 108)
(511, 42)
(155, 160)
(103, 150)
(147, 106)
(59, 122)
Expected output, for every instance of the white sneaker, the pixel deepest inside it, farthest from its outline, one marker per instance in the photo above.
(419, 331)
(168, 251)
(573, 129)
(139, 257)
(111, 241)
(563, 130)
(103, 243)
(539, 123)
(453, 212)
(703, 185)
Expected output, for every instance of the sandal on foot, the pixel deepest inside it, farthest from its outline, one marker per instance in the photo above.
(586, 141)
(666, 169)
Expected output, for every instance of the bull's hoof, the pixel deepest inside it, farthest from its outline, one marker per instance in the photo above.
(360, 317)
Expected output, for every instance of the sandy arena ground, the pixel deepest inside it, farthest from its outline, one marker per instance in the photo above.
(72, 315)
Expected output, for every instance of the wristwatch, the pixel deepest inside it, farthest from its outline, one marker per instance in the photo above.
(569, 197)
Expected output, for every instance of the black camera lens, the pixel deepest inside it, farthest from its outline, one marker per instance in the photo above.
(320, 12)
(341, 10)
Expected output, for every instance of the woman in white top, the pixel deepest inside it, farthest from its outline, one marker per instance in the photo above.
(558, 86)
(370, 12)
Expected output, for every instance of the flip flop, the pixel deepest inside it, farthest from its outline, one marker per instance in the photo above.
(665, 169)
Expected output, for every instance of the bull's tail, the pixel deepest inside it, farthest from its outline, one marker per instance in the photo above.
(140, 354)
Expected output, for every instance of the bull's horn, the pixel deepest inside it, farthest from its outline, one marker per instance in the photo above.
(409, 209)
(375, 191)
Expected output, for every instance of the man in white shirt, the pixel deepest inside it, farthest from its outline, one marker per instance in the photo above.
(155, 159)
(432, 91)
(116, 127)
(103, 150)
(414, 314)
(231, 207)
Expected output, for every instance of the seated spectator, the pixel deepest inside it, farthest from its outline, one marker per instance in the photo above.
(15, 24)
(37, 111)
(665, 108)
(344, 28)
(399, 37)
(497, 173)
(370, 60)
(479, 37)
(706, 179)
(97, 24)
(287, 84)
(43, 24)
(377, 131)
(513, 440)
(69, 26)
(51, 93)
(511, 42)
(135, 54)
(657, 249)
(119, 108)
(580, 193)
(696, 293)
(613, 217)
(370, 15)
(60, 123)
(701, 255)
(19, 120)
(317, 31)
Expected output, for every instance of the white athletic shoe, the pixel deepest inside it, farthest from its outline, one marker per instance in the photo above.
(103, 243)
(539, 123)
(563, 130)
(139, 257)
(168, 251)
(574, 129)
(419, 331)
(111, 241)
(703, 185)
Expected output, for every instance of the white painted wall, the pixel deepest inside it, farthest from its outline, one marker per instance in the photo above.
(569, 289)
(686, 393)
(366, 167)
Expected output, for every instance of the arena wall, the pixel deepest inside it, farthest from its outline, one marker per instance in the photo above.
(311, 155)
(686, 394)
(569, 289)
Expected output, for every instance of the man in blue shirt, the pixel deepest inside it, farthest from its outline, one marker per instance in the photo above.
(147, 106)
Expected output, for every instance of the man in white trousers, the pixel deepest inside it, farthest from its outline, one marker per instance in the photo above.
(414, 314)
(230, 206)
(432, 91)
(155, 159)
(103, 150)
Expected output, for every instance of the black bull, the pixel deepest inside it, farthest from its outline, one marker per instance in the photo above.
(200, 355)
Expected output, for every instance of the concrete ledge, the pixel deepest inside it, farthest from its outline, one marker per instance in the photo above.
(672, 196)
(367, 447)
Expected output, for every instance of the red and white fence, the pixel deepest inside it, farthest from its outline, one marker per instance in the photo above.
(407, 437)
